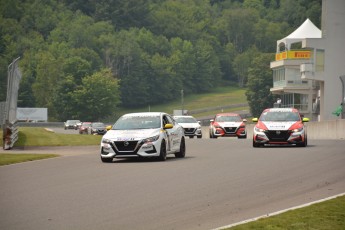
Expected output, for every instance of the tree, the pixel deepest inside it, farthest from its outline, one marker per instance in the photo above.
(259, 83)
(97, 97)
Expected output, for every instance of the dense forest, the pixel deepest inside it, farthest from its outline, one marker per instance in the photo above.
(84, 58)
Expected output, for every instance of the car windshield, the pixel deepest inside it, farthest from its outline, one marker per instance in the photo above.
(228, 119)
(185, 120)
(280, 116)
(71, 122)
(98, 125)
(137, 122)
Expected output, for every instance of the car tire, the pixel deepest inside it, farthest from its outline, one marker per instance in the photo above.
(211, 135)
(304, 143)
(191, 137)
(182, 151)
(255, 145)
(199, 137)
(163, 152)
(106, 160)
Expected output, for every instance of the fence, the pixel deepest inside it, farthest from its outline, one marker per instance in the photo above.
(9, 120)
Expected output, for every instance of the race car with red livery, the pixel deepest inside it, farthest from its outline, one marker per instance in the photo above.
(280, 126)
(228, 125)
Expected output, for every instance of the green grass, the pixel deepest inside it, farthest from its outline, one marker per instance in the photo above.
(327, 215)
(221, 96)
(31, 136)
(10, 158)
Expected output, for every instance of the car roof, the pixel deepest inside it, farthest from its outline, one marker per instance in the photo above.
(281, 110)
(227, 114)
(153, 114)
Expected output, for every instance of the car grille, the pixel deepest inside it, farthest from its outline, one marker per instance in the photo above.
(278, 135)
(230, 130)
(125, 146)
(189, 130)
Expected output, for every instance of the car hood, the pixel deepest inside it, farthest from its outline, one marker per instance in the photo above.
(189, 125)
(138, 134)
(230, 124)
(273, 125)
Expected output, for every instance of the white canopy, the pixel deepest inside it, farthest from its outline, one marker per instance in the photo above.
(306, 30)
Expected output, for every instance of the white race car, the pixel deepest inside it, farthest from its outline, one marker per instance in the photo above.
(149, 134)
(190, 125)
(280, 126)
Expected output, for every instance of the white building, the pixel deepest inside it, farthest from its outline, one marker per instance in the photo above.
(309, 64)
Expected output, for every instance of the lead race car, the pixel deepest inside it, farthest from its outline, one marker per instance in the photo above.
(280, 126)
(149, 134)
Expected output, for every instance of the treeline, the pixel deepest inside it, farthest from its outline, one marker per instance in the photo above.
(84, 58)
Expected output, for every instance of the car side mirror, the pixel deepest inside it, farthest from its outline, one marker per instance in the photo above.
(108, 127)
(244, 120)
(168, 126)
(255, 119)
(305, 119)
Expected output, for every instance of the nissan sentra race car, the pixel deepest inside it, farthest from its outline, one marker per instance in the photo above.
(150, 134)
(280, 126)
(228, 125)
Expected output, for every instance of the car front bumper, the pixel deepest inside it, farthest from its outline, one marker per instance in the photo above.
(286, 138)
(124, 149)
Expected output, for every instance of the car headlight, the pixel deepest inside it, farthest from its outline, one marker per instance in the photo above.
(258, 129)
(106, 141)
(297, 130)
(151, 139)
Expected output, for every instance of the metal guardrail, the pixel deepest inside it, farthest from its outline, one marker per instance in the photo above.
(10, 127)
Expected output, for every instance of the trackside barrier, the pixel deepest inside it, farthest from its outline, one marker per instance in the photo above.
(10, 130)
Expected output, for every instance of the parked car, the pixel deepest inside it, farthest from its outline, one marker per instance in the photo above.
(97, 128)
(280, 126)
(190, 125)
(228, 125)
(84, 128)
(149, 134)
(71, 124)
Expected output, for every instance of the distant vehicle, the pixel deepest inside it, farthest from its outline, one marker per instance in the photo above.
(150, 134)
(280, 126)
(71, 124)
(228, 125)
(84, 128)
(97, 128)
(190, 125)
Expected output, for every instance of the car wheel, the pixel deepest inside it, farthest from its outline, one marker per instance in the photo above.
(106, 160)
(199, 137)
(182, 152)
(304, 143)
(163, 152)
(191, 137)
(211, 135)
(255, 145)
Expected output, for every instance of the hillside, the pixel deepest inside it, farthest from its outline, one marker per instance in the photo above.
(221, 99)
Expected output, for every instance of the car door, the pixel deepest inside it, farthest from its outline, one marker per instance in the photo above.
(169, 132)
(175, 133)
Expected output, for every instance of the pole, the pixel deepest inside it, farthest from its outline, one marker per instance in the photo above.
(342, 79)
(182, 102)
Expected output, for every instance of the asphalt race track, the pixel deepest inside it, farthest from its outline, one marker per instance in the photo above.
(220, 182)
